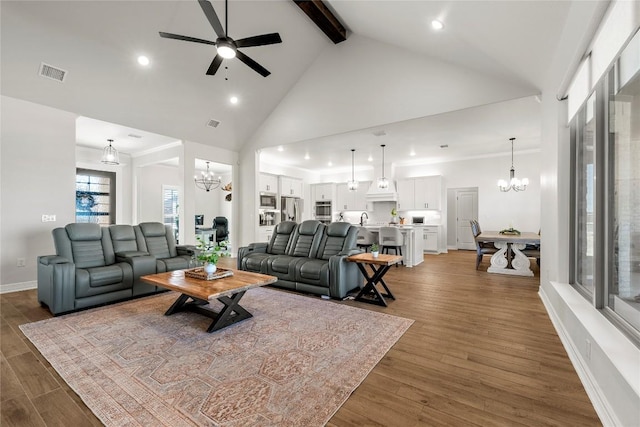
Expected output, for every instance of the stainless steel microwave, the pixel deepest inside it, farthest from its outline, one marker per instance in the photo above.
(267, 201)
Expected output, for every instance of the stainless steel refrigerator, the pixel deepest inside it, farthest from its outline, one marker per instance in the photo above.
(290, 209)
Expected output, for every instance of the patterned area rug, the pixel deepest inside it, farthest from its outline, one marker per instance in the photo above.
(293, 364)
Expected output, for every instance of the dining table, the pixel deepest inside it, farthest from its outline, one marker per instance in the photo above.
(509, 259)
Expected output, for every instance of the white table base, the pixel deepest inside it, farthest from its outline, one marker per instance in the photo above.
(520, 264)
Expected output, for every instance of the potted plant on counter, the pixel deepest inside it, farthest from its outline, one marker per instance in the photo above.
(374, 250)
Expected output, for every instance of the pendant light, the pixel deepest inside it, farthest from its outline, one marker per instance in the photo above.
(207, 180)
(383, 182)
(353, 184)
(514, 183)
(110, 154)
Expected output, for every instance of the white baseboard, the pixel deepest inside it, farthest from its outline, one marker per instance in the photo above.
(598, 399)
(15, 287)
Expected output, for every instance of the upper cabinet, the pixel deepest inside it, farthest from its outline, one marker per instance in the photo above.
(268, 183)
(351, 200)
(420, 193)
(322, 192)
(290, 187)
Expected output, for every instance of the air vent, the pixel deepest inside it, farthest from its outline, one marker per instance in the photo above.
(213, 123)
(52, 72)
(379, 133)
(444, 146)
(133, 135)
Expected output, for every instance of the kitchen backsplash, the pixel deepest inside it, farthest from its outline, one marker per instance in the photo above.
(381, 214)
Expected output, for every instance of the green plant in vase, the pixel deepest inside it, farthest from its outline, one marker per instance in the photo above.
(210, 253)
(374, 249)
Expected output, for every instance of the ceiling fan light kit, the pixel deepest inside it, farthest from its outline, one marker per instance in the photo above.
(226, 47)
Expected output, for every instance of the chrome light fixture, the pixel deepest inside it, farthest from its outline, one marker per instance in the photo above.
(110, 154)
(353, 184)
(383, 182)
(514, 183)
(207, 181)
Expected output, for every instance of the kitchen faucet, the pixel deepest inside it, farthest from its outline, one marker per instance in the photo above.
(363, 215)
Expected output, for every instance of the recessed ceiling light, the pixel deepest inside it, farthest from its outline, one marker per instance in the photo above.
(306, 156)
(412, 153)
(280, 148)
(143, 60)
(370, 158)
(233, 99)
(330, 163)
(437, 25)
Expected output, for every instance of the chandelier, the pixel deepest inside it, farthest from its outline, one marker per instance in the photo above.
(514, 183)
(207, 181)
(353, 184)
(383, 182)
(110, 154)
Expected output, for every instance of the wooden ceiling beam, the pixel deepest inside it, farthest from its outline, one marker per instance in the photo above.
(320, 14)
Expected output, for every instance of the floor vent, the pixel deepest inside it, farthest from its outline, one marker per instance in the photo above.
(52, 72)
(213, 123)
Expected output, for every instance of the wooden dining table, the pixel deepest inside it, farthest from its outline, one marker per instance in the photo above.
(509, 259)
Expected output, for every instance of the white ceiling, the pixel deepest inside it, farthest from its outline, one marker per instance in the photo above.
(98, 42)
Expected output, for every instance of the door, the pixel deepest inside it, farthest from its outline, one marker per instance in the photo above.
(467, 209)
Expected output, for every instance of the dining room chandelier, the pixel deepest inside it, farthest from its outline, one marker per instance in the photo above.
(207, 181)
(514, 183)
(353, 184)
(383, 182)
(110, 155)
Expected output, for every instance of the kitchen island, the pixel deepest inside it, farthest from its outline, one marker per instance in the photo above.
(412, 250)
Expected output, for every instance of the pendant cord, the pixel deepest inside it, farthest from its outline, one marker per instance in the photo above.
(382, 160)
(226, 18)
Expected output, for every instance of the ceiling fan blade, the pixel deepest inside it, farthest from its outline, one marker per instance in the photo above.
(185, 38)
(253, 64)
(212, 16)
(215, 64)
(262, 40)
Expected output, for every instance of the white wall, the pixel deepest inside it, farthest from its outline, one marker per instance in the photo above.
(38, 177)
(152, 179)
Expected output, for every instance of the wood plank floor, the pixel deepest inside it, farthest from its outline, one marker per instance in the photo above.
(482, 351)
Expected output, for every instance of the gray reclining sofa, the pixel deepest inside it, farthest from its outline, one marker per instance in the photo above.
(95, 265)
(308, 257)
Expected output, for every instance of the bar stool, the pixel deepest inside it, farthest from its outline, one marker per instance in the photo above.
(391, 238)
(365, 238)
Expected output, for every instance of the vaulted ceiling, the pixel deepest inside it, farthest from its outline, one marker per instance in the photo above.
(392, 68)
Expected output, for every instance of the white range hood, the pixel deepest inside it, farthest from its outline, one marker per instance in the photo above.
(388, 194)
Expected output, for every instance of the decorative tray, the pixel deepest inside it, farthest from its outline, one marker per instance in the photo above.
(199, 273)
(510, 231)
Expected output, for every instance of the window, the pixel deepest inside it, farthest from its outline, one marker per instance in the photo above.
(605, 142)
(95, 196)
(170, 208)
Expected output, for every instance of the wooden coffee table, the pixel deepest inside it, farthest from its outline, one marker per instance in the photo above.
(227, 290)
(379, 267)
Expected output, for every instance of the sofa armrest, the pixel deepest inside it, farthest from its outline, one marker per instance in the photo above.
(56, 283)
(343, 275)
(260, 247)
(52, 259)
(349, 252)
(124, 256)
(189, 250)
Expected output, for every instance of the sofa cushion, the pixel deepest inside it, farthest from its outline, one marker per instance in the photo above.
(157, 240)
(99, 280)
(279, 242)
(123, 238)
(282, 266)
(313, 271)
(83, 231)
(338, 237)
(306, 239)
(88, 253)
(255, 262)
(170, 264)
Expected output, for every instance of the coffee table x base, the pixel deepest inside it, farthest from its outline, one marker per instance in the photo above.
(379, 267)
(231, 313)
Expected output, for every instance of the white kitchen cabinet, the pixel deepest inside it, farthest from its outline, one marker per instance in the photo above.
(406, 197)
(420, 193)
(290, 187)
(267, 183)
(430, 238)
(322, 192)
(351, 200)
(264, 234)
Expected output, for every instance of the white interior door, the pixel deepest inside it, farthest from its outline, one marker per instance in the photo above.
(467, 209)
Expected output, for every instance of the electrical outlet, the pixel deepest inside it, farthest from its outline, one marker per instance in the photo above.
(587, 354)
(22, 262)
(48, 218)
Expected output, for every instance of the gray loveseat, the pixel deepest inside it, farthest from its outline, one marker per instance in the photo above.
(94, 265)
(308, 257)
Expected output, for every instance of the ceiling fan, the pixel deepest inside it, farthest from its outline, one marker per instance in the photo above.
(226, 46)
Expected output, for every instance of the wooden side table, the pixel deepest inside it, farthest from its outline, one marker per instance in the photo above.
(379, 267)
